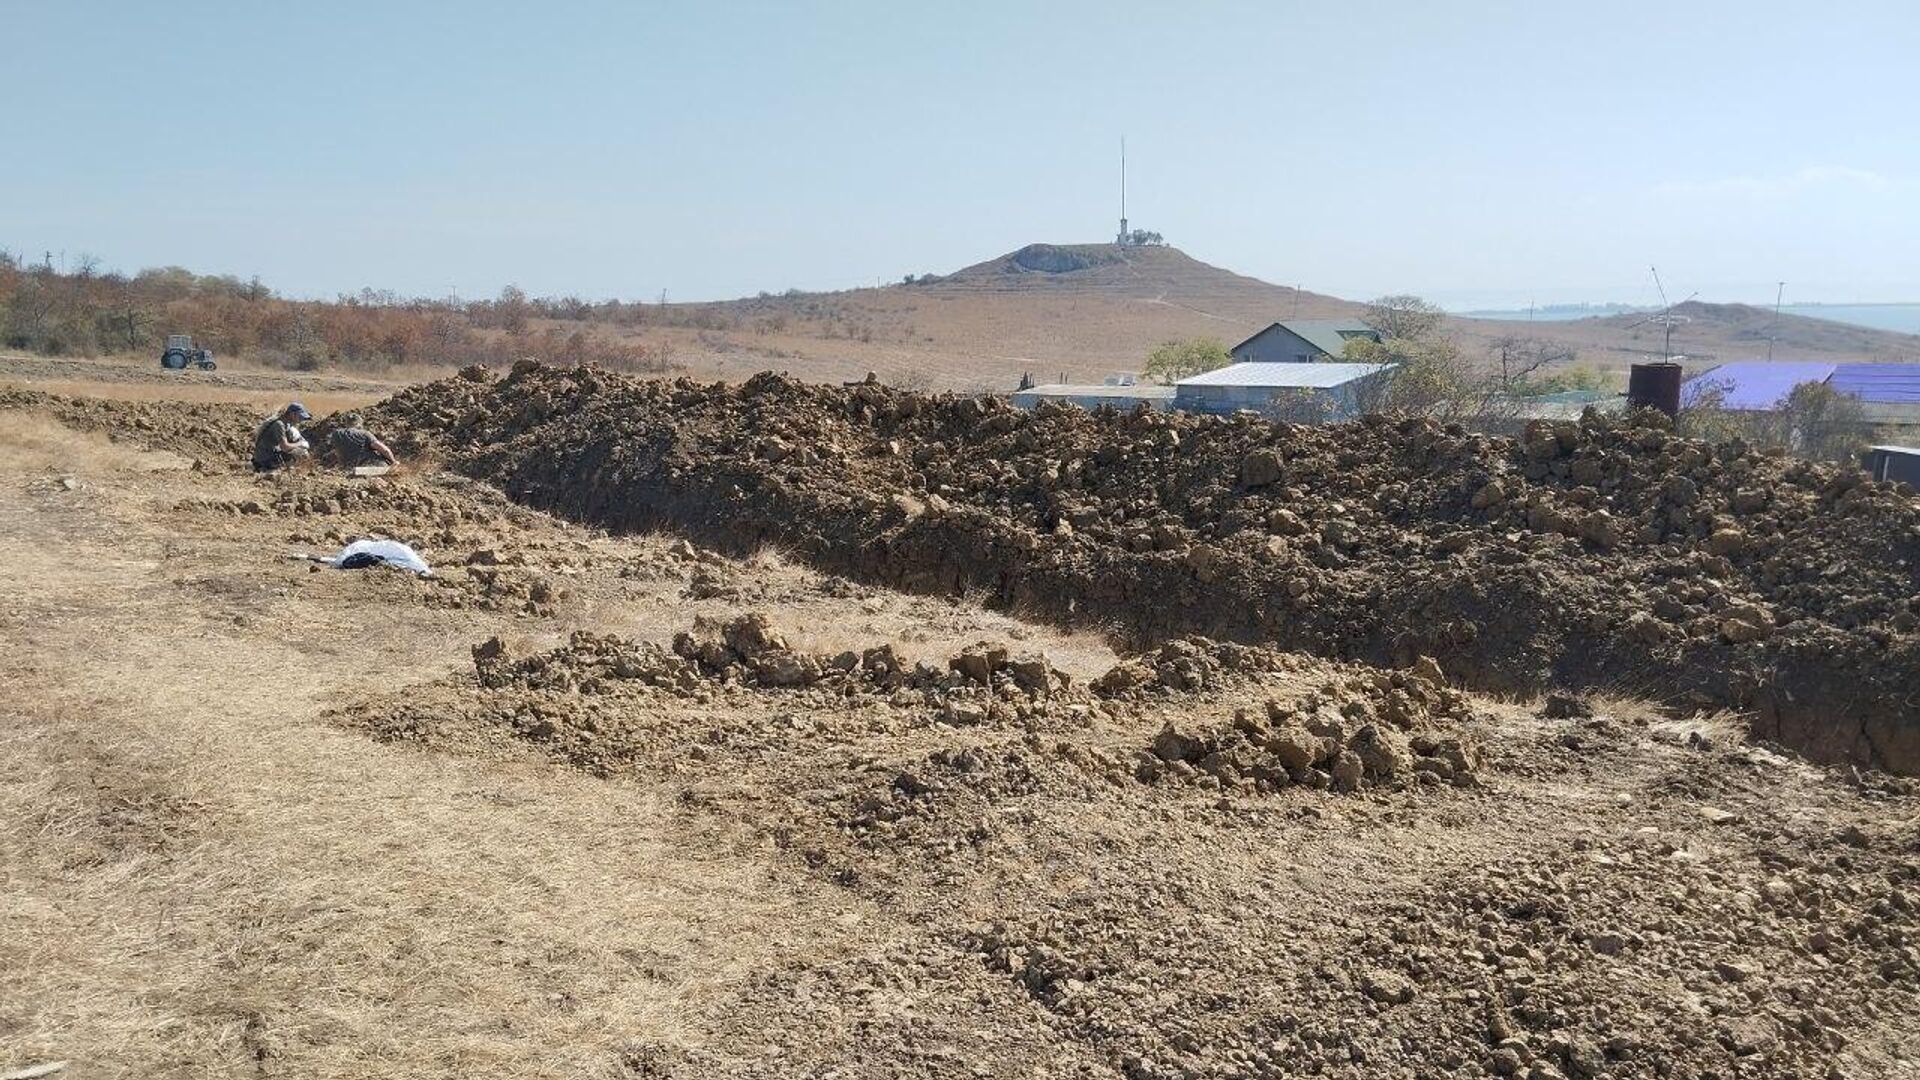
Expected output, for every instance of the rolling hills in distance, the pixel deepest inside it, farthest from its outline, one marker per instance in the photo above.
(1085, 312)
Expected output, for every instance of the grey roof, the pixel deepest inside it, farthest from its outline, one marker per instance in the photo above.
(1323, 334)
(1299, 376)
(1138, 390)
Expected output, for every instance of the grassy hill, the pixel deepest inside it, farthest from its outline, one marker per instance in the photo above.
(1081, 311)
(1084, 311)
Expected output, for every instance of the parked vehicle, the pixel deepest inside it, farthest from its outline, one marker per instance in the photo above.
(180, 354)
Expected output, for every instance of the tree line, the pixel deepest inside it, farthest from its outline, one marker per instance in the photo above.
(85, 311)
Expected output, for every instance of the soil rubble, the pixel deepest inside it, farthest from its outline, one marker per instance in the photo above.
(1607, 554)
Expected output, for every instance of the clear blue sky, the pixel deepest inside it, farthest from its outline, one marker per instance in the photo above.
(1475, 152)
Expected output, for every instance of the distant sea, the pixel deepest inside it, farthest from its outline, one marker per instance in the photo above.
(1900, 318)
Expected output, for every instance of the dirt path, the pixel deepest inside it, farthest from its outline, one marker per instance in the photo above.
(213, 881)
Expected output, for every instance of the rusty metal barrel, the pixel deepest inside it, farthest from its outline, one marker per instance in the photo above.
(1655, 386)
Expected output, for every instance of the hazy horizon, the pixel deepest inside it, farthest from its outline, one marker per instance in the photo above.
(1485, 155)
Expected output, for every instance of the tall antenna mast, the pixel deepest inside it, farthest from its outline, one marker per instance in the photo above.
(1666, 318)
(1123, 192)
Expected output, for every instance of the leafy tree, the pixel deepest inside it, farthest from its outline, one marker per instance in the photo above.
(1813, 421)
(1816, 421)
(1403, 316)
(166, 282)
(1430, 376)
(1175, 360)
(512, 308)
(127, 318)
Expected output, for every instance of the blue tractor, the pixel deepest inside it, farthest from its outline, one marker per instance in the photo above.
(180, 354)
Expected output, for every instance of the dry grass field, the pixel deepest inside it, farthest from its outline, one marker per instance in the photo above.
(129, 378)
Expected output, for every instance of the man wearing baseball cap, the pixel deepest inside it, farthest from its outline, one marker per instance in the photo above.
(280, 444)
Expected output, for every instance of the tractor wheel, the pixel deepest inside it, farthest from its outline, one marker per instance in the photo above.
(206, 365)
(173, 360)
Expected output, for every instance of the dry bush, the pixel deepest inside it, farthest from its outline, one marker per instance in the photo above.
(84, 314)
(1814, 421)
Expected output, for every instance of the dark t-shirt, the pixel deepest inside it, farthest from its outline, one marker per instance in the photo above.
(355, 447)
(266, 444)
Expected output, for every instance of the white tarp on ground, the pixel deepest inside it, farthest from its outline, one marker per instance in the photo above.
(390, 552)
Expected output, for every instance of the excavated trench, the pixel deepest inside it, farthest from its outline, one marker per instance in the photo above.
(1606, 555)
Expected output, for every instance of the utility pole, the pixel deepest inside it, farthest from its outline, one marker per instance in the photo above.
(1774, 330)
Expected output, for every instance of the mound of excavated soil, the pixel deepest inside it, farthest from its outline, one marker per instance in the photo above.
(606, 703)
(1601, 554)
(210, 433)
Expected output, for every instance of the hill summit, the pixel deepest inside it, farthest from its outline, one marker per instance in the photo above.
(1141, 272)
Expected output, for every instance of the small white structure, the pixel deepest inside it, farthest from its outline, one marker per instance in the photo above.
(1335, 391)
(1089, 396)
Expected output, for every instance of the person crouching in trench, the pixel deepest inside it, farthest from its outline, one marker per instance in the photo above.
(354, 445)
(279, 443)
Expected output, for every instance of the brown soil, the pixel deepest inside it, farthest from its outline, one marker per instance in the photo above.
(221, 434)
(622, 805)
(1604, 555)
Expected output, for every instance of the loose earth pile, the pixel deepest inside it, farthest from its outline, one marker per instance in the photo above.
(1605, 554)
(1197, 865)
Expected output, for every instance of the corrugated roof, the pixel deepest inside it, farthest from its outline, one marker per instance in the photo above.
(1327, 335)
(1882, 384)
(1297, 376)
(1755, 384)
